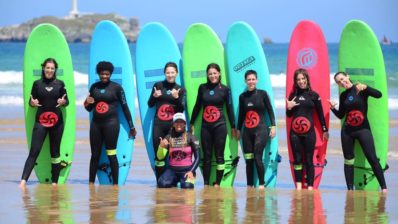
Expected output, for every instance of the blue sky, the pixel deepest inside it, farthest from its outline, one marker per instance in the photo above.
(275, 19)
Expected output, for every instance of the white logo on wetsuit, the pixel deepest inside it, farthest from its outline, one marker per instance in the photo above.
(250, 104)
(49, 89)
(168, 92)
(211, 92)
(301, 98)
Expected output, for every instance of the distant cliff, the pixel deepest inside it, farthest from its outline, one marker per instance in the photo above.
(75, 30)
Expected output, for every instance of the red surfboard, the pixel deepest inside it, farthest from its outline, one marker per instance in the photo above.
(308, 50)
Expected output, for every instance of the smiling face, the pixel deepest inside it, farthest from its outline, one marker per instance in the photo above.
(179, 126)
(251, 82)
(302, 81)
(49, 70)
(343, 81)
(105, 76)
(213, 75)
(171, 74)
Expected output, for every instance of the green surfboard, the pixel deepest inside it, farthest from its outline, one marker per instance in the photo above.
(361, 57)
(202, 47)
(46, 41)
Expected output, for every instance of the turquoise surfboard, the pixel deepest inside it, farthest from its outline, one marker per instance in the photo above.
(244, 52)
(46, 41)
(361, 57)
(202, 47)
(109, 44)
(155, 47)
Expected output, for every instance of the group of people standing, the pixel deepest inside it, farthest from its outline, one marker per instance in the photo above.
(172, 141)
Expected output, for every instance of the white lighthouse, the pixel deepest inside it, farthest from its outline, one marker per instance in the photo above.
(73, 14)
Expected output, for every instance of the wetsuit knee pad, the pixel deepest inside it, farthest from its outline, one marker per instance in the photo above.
(248, 156)
(298, 166)
(349, 161)
(56, 160)
(111, 152)
(221, 166)
(160, 163)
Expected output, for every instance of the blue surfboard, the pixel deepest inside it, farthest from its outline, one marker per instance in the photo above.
(109, 44)
(244, 52)
(155, 47)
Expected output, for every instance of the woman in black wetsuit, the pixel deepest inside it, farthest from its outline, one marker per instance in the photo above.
(103, 99)
(212, 96)
(300, 105)
(253, 106)
(169, 98)
(48, 95)
(181, 146)
(354, 107)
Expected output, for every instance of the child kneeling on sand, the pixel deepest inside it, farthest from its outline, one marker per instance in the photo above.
(181, 146)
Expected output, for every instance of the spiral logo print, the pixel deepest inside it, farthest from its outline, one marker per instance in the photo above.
(252, 119)
(355, 118)
(165, 112)
(306, 58)
(211, 114)
(301, 125)
(102, 107)
(48, 119)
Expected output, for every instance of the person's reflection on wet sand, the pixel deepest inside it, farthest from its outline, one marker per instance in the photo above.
(103, 203)
(365, 207)
(306, 207)
(217, 205)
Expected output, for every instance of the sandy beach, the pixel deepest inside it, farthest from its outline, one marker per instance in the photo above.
(140, 202)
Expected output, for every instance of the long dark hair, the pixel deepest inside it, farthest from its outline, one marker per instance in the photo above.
(170, 64)
(216, 67)
(43, 65)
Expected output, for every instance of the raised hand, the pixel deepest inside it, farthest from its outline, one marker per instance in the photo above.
(291, 103)
(157, 92)
(61, 101)
(89, 99)
(34, 102)
(175, 93)
(360, 87)
(332, 104)
(164, 142)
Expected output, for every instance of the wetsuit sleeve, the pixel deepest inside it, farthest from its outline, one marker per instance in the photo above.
(89, 107)
(33, 92)
(198, 105)
(289, 113)
(63, 92)
(123, 102)
(240, 112)
(268, 105)
(318, 107)
(196, 149)
(341, 111)
(230, 111)
(180, 102)
(152, 99)
(369, 91)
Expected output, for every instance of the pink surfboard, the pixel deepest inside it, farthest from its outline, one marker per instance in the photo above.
(308, 50)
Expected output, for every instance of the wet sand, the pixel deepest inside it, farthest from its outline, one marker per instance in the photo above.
(140, 202)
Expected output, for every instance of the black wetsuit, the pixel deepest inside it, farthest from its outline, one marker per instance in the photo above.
(48, 120)
(302, 132)
(356, 126)
(105, 124)
(166, 107)
(253, 106)
(213, 97)
(182, 146)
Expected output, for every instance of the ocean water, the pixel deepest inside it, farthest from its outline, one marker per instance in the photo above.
(11, 67)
